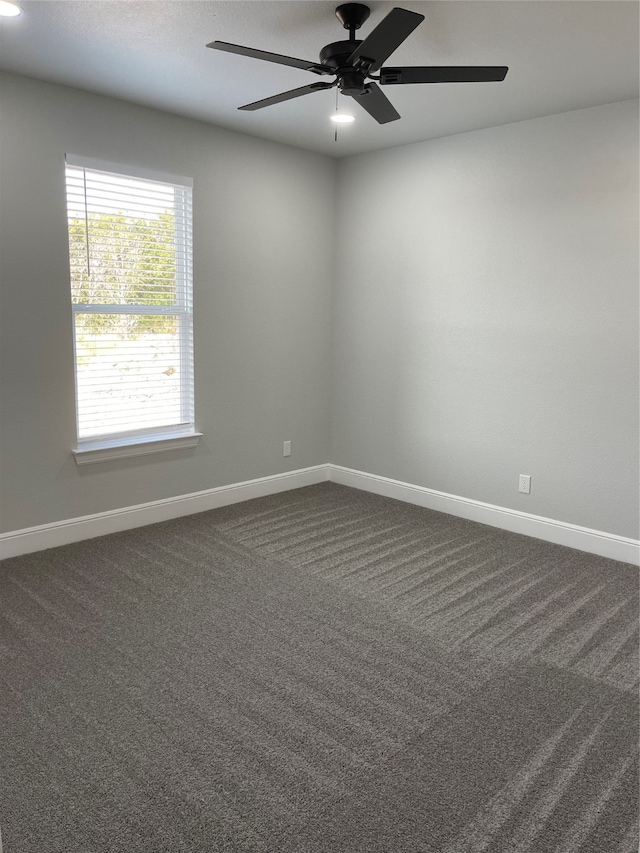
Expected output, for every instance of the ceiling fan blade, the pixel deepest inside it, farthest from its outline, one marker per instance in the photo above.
(376, 103)
(385, 38)
(444, 74)
(278, 58)
(287, 96)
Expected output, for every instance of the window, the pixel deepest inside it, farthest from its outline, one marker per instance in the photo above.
(131, 295)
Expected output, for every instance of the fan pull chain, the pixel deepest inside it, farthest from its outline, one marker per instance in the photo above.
(335, 138)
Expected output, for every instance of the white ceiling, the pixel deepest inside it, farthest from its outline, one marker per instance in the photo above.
(562, 55)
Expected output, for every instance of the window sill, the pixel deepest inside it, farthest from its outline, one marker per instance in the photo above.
(90, 455)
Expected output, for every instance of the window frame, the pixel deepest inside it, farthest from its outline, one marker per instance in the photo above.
(146, 440)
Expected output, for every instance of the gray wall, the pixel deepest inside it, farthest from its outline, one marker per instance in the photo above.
(486, 316)
(262, 269)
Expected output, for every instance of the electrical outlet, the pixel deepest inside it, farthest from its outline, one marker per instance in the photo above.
(524, 484)
(286, 448)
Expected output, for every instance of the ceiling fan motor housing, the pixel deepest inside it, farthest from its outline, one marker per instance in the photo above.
(351, 81)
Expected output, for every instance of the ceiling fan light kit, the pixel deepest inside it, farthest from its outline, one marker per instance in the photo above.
(354, 63)
(9, 9)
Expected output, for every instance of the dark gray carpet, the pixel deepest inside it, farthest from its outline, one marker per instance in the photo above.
(322, 670)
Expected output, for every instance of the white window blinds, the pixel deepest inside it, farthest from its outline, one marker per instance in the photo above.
(131, 292)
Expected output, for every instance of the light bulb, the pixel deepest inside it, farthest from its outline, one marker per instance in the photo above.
(342, 118)
(9, 9)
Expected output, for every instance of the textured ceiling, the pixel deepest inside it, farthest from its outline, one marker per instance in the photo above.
(562, 55)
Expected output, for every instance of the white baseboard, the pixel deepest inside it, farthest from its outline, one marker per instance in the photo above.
(31, 539)
(86, 527)
(582, 538)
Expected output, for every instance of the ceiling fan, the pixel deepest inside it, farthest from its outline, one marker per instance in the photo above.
(354, 63)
